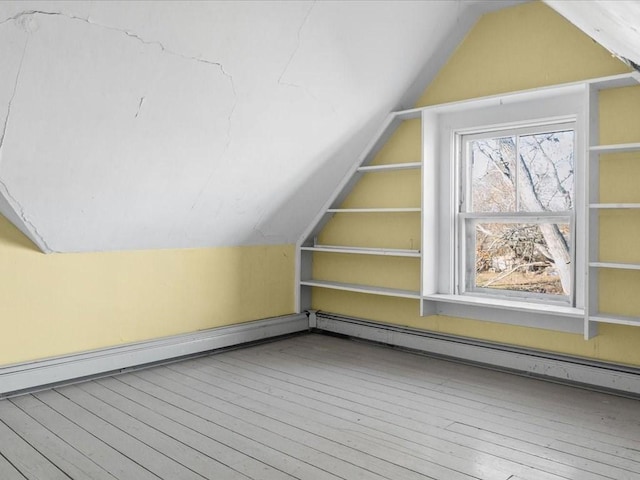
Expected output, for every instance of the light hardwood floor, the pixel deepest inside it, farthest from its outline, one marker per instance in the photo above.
(319, 407)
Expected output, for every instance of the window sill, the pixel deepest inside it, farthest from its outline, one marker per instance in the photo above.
(513, 312)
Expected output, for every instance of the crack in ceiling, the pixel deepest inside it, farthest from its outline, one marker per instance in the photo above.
(19, 17)
(138, 139)
(296, 48)
(11, 199)
(10, 102)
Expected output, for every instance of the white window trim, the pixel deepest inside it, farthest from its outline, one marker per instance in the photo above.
(442, 126)
(464, 238)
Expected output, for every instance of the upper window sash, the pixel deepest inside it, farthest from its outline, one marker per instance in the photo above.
(464, 139)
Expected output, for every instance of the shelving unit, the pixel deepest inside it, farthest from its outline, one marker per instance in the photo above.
(593, 315)
(432, 299)
(308, 245)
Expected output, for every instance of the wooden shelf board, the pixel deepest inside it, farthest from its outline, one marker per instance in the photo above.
(615, 81)
(617, 319)
(409, 114)
(374, 210)
(623, 266)
(393, 252)
(614, 205)
(352, 287)
(390, 167)
(620, 147)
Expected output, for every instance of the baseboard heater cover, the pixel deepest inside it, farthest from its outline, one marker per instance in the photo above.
(566, 369)
(40, 373)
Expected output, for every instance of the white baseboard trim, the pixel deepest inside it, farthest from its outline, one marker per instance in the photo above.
(576, 371)
(31, 375)
(584, 372)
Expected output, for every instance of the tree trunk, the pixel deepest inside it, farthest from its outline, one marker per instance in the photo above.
(556, 243)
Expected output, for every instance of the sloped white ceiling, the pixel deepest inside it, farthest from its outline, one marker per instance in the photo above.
(137, 125)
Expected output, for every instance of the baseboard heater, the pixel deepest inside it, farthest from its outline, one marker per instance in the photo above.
(581, 372)
(27, 376)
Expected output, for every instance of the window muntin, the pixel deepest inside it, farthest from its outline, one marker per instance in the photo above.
(516, 213)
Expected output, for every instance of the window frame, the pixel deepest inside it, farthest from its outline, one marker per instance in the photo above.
(442, 126)
(467, 218)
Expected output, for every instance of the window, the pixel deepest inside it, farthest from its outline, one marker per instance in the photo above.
(516, 211)
(504, 184)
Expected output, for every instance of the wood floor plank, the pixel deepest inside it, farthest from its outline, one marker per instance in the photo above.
(227, 430)
(588, 467)
(404, 393)
(393, 440)
(319, 430)
(145, 456)
(8, 471)
(555, 435)
(583, 448)
(572, 422)
(215, 450)
(26, 459)
(104, 455)
(319, 407)
(495, 386)
(543, 401)
(389, 428)
(542, 458)
(59, 452)
(295, 443)
(225, 375)
(440, 371)
(277, 368)
(165, 445)
(586, 444)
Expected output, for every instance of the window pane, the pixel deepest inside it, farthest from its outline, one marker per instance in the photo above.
(493, 174)
(545, 175)
(523, 257)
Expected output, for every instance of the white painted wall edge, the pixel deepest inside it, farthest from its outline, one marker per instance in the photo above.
(577, 371)
(30, 375)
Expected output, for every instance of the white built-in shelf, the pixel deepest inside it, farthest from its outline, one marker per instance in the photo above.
(374, 210)
(616, 81)
(621, 266)
(390, 167)
(621, 147)
(352, 287)
(619, 319)
(614, 205)
(409, 114)
(593, 316)
(392, 252)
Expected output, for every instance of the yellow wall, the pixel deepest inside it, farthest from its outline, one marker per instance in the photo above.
(518, 48)
(64, 303)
